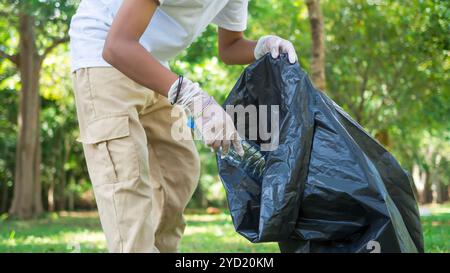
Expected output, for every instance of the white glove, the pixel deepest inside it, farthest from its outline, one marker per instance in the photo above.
(214, 124)
(275, 45)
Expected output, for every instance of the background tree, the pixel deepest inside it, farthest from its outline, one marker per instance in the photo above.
(40, 26)
(318, 43)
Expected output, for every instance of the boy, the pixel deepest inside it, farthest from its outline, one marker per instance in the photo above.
(143, 178)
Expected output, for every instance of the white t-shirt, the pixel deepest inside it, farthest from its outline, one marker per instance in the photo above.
(174, 26)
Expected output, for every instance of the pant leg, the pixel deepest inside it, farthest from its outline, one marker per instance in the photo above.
(115, 146)
(174, 169)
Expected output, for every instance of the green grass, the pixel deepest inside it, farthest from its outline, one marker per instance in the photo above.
(60, 232)
(204, 233)
(436, 228)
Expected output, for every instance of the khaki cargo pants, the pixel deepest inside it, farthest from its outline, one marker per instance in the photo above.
(142, 177)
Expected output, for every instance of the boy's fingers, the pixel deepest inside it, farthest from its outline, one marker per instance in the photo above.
(288, 48)
(275, 49)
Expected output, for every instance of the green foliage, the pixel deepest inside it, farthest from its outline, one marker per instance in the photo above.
(387, 64)
(61, 155)
(51, 19)
(389, 67)
(8, 131)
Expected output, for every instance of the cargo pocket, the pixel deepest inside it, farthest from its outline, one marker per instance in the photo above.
(111, 153)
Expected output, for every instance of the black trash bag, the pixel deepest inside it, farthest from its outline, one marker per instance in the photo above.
(328, 186)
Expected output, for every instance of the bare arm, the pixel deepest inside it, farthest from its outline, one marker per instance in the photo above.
(234, 48)
(123, 51)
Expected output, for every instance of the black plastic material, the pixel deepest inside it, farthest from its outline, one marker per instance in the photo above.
(329, 186)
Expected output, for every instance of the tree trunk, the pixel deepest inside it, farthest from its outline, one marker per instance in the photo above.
(318, 43)
(63, 176)
(446, 193)
(51, 195)
(4, 196)
(62, 193)
(426, 196)
(27, 200)
(200, 197)
(71, 201)
(441, 192)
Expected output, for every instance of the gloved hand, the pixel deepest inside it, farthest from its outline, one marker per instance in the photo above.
(214, 124)
(275, 45)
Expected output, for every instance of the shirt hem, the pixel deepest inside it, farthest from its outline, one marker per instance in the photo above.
(231, 26)
(85, 63)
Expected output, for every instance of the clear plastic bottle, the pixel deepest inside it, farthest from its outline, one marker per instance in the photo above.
(253, 161)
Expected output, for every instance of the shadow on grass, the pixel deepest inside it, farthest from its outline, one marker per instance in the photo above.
(52, 233)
